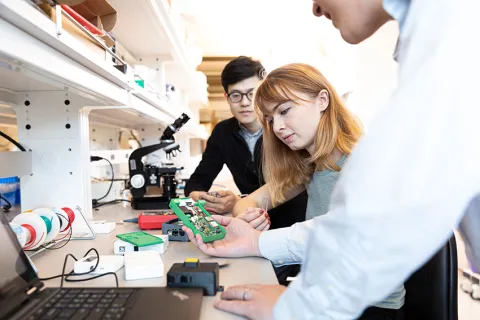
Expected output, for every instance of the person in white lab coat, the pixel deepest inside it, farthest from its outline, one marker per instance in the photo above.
(392, 209)
(308, 135)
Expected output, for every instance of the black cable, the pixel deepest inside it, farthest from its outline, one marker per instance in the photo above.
(51, 278)
(18, 145)
(101, 204)
(8, 205)
(63, 245)
(66, 241)
(63, 270)
(78, 274)
(92, 278)
(69, 236)
(65, 276)
(95, 158)
(88, 272)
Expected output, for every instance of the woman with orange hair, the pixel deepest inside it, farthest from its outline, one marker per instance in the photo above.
(308, 134)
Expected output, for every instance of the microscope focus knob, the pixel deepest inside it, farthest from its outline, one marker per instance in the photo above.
(137, 181)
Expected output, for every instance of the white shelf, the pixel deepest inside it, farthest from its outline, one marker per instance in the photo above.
(150, 33)
(58, 60)
(150, 99)
(53, 86)
(34, 58)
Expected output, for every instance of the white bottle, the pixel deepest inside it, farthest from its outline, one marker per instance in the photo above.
(22, 234)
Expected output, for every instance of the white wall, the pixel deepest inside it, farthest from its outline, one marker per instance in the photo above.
(367, 69)
(375, 73)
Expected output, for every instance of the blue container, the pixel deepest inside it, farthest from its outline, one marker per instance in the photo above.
(17, 196)
(10, 190)
(10, 196)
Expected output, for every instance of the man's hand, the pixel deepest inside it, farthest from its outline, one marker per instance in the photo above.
(241, 240)
(257, 218)
(222, 204)
(253, 301)
(196, 195)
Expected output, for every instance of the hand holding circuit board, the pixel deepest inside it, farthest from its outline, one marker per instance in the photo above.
(195, 217)
(241, 239)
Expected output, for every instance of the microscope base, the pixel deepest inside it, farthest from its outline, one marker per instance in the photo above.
(150, 203)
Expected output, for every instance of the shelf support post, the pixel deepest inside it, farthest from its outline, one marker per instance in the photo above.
(54, 126)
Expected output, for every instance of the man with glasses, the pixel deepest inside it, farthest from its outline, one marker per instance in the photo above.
(237, 142)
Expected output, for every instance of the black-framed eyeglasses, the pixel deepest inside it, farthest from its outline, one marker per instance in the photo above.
(238, 96)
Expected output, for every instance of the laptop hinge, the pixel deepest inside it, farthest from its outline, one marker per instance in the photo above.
(31, 291)
(35, 289)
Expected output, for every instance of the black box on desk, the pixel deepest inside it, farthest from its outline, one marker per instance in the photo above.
(173, 229)
(193, 274)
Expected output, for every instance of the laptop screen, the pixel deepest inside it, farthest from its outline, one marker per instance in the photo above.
(15, 270)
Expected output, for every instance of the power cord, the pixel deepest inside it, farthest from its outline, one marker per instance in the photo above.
(18, 145)
(8, 206)
(96, 158)
(65, 276)
(101, 204)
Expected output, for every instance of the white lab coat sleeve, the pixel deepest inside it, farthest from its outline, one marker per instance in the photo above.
(286, 245)
(408, 182)
(470, 230)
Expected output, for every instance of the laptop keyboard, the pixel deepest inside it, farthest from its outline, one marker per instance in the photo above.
(84, 304)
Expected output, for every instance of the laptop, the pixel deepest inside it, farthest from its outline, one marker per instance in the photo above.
(23, 296)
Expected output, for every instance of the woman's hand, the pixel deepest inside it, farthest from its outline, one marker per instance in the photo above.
(241, 240)
(257, 218)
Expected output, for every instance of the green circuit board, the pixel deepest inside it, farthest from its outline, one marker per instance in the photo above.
(194, 216)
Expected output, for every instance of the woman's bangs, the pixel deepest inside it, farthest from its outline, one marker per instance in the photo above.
(267, 92)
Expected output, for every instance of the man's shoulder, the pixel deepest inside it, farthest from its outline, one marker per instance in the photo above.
(226, 126)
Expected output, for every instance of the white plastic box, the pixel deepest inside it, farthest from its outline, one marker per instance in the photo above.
(143, 265)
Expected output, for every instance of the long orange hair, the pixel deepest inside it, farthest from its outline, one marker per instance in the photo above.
(338, 128)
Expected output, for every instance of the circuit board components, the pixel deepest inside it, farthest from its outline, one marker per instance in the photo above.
(195, 217)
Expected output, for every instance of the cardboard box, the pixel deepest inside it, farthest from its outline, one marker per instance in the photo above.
(75, 32)
(100, 13)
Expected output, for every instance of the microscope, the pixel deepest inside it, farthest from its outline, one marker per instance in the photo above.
(144, 176)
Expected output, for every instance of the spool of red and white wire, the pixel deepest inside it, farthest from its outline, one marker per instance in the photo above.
(35, 227)
(43, 225)
(52, 222)
(66, 217)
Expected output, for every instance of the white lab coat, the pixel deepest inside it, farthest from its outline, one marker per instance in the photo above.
(408, 181)
(470, 230)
